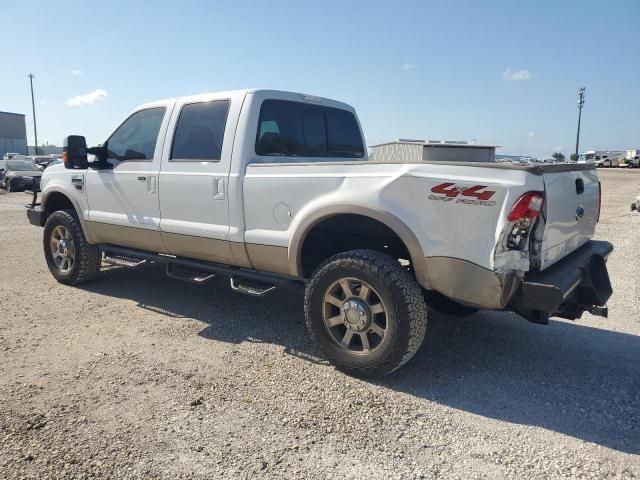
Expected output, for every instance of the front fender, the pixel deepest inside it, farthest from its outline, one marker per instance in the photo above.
(53, 194)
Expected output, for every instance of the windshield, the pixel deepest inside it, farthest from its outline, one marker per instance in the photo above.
(21, 166)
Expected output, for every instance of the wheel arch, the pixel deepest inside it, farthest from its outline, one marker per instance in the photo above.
(56, 199)
(315, 219)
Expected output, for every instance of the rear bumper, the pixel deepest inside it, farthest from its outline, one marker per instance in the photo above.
(578, 283)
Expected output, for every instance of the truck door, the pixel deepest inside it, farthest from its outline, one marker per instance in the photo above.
(123, 201)
(194, 178)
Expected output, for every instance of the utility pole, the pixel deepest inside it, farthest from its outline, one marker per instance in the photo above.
(33, 108)
(580, 104)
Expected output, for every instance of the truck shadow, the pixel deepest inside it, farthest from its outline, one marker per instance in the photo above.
(572, 379)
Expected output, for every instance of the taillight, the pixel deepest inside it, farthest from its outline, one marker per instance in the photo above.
(599, 200)
(528, 206)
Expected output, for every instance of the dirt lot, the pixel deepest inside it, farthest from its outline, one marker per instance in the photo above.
(137, 375)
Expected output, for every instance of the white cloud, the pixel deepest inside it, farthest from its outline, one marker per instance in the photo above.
(408, 66)
(43, 102)
(533, 135)
(510, 74)
(76, 72)
(87, 99)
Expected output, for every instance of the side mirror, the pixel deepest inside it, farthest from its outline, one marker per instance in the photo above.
(74, 152)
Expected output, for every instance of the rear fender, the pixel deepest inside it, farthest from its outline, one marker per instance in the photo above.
(395, 224)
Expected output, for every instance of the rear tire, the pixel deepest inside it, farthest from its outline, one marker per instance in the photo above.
(7, 185)
(445, 305)
(365, 312)
(70, 258)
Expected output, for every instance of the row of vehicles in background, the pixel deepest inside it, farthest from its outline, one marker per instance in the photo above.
(601, 159)
(608, 159)
(18, 171)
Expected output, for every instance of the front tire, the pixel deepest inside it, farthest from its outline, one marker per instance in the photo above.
(70, 258)
(365, 312)
(7, 185)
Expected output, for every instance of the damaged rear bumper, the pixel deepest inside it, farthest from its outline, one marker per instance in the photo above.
(577, 283)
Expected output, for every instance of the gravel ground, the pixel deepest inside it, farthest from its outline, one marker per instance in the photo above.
(139, 376)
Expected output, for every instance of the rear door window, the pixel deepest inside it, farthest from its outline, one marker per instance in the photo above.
(296, 129)
(200, 131)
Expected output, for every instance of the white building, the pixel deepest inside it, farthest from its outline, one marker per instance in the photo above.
(405, 150)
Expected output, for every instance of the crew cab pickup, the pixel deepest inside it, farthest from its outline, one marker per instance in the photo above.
(270, 187)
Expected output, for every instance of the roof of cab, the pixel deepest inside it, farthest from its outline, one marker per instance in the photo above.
(254, 91)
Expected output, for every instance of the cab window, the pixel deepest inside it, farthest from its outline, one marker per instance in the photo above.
(200, 131)
(296, 129)
(136, 138)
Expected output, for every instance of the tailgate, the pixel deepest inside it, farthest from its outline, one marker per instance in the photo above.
(572, 201)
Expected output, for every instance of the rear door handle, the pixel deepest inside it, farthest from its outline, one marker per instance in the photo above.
(218, 188)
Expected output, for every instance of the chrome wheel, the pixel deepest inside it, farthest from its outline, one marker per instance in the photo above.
(355, 316)
(62, 249)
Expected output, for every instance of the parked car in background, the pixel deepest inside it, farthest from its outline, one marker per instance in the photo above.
(18, 174)
(636, 204)
(608, 161)
(40, 161)
(52, 161)
(12, 156)
(632, 159)
(602, 158)
(43, 162)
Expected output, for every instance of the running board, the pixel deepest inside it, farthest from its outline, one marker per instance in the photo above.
(188, 275)
(255, 290)
(243, 280)
(122, 260)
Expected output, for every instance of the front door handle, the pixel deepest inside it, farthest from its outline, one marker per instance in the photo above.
(142, 178)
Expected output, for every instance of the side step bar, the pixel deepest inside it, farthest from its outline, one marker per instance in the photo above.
(253, 290)
(243, 280)
(121, 260)
(187, 275)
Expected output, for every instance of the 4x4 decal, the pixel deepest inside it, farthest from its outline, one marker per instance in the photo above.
(451, 191)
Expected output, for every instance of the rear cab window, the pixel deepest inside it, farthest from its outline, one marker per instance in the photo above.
(304, 131)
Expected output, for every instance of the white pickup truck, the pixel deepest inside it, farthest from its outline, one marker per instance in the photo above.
(270, 187)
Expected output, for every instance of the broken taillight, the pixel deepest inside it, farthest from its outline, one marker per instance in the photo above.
(522, 219)
(528, 206)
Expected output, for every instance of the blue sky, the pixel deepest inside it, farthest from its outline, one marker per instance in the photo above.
(502, 72)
